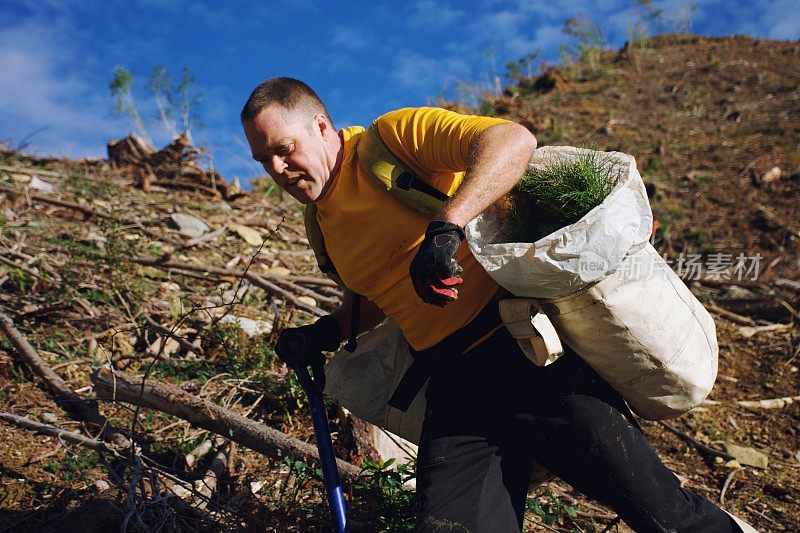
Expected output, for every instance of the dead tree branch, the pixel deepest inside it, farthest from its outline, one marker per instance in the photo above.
(54, 431)
(207, 415)
(71, 402)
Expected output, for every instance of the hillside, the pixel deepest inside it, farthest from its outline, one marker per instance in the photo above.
(97, 272)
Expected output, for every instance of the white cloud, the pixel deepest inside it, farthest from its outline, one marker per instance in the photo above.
(41, 86)
(433, 15)
(420, 72)
(348, 37)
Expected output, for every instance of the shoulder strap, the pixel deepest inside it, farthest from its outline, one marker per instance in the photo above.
(317, 242)
(389, 171)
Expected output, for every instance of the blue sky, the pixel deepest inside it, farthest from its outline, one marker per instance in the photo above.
(363, 58)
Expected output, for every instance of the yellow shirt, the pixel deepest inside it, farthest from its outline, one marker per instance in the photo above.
(371, 236)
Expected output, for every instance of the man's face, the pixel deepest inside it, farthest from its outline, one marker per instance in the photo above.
(292, 148)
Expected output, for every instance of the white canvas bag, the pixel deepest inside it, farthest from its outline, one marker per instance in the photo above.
(363, 381)
(611, 297)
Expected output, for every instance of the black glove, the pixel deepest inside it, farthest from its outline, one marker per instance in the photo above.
(303, 346)
(434, 271)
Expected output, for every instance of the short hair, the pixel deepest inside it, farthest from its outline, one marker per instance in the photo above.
(289, 93)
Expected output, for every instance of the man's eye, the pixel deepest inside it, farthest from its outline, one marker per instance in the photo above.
(285, 150)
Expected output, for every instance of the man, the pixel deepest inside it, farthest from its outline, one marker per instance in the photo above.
(490, 412)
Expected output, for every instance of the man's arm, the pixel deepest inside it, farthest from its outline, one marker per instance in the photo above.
(498, 157)
(370, 314)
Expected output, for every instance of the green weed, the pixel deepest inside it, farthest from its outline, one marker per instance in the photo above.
(653, 165)
(550, 509)
(385, 503)
(553, 134)
(75, 467)
(22, 281)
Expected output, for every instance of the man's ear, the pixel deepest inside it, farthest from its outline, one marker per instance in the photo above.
(324, 126)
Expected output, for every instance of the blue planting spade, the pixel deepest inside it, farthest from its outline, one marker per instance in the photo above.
(313, 383)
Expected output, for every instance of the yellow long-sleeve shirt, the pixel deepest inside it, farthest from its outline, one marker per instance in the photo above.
(371, 237)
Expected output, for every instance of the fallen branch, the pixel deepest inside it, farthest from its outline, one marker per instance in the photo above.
(726, 485)
(54, 431)
(207, 415)
(699, 445)
(730, 315)
(772, 403)
(252, 277)
(21, 267)
(219, 464)
(321, 298)
(71, 402)
(28, 170)
(787, 284)
(167, 332)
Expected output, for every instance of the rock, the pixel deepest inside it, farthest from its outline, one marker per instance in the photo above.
(249, 235)
(221, 206)
(101, 485)
(170, 347)
(771, 175)
(8, 214)
(167, 289)
(188, 225)
(307, 300)
(734, 292)
(277, 271)
(48, 418)
(746, 456)
(250, 327)
(41, 186)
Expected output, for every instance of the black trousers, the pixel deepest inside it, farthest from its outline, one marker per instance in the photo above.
(492, 413)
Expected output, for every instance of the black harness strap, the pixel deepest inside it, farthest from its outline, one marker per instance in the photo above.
(428, 361)
(355, 317)
(407, 181)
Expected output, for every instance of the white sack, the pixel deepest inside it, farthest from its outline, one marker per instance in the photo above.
(611, 297)
(363, 381)
(571, 258)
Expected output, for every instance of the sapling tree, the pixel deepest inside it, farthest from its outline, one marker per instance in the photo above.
(124, 103)
(185, 100)
(175, 104)
(159, 85)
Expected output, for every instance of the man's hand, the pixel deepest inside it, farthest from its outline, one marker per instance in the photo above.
(303, 346)
(434, 271)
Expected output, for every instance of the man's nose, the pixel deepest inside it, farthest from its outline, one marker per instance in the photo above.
(278, 164)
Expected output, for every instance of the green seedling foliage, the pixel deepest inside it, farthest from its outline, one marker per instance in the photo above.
(21, 281)
(229, 351)
(560, 193)
(74, 468)
(550, 509)
(384, 502)
(187, 445)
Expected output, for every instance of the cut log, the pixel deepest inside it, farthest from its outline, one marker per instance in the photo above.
(132, 150)
(202, 413)
(359, 440)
